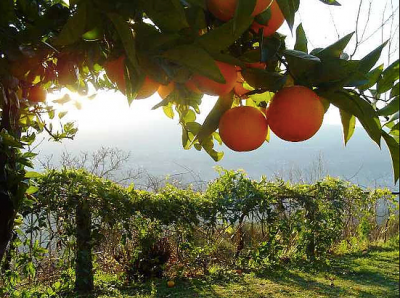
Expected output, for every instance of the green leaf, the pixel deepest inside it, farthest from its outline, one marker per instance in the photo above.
(289, 9)
(373, 76)
(393, 118)
(9, 140)
(300, 62)
(126, 35)
(349, 125)
(197, 60)
(270, 47)
(393, 146)
(244, 10)
(199, 3)
(193, 127)
(211, 123)
(168, 111)
(264, 17)
(62, 114)
(333, 71)
(74, 28)
(358, 107)
(31, 190)
(391, 108)
(395, 91)
(371, 59)
(196, 18)
(389, 77)
(395, 130)
(168, 15)
(335, 50)
(224, 36)
(301, 40)
(261, 79)
(268, 138)
(331, 2)
(32, 175)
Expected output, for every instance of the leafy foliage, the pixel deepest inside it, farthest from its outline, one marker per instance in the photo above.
(180, 231)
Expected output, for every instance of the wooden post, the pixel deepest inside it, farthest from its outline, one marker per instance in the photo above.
(84, 281)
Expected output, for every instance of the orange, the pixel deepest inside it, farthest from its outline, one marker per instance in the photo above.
(170, 284)
(295, 114)
(274, 23)
(225, 9)
(243, 129)
(211, 87)
(165, 90)
(148, 88)
(115, 70)
(37, 94)
(264, 111)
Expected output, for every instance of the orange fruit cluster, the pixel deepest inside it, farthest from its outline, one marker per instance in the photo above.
(294, 114)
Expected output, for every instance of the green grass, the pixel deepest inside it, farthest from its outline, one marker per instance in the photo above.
(374, 273)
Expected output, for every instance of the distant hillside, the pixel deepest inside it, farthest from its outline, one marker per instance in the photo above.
(162, 154)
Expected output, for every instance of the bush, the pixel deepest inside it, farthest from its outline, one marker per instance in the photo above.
(236, 222)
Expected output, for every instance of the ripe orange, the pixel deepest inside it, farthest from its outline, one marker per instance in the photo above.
(211, 87)
(243, 129)
(274, 23)
(115, 70)
(225, 9)
(295, 114)
(37, 94)
(165, 90)
(170, 284)
(148, 88)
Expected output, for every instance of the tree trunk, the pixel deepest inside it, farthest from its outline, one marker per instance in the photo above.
(83, 267)
(240, 236)
(310, 249)
(7, 208)
(7, 216)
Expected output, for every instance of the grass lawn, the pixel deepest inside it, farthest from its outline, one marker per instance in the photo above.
(374, 273)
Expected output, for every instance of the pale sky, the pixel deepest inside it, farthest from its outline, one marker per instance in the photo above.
(318, 23)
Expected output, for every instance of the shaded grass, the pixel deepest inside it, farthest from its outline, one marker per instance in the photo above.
(372, 273)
